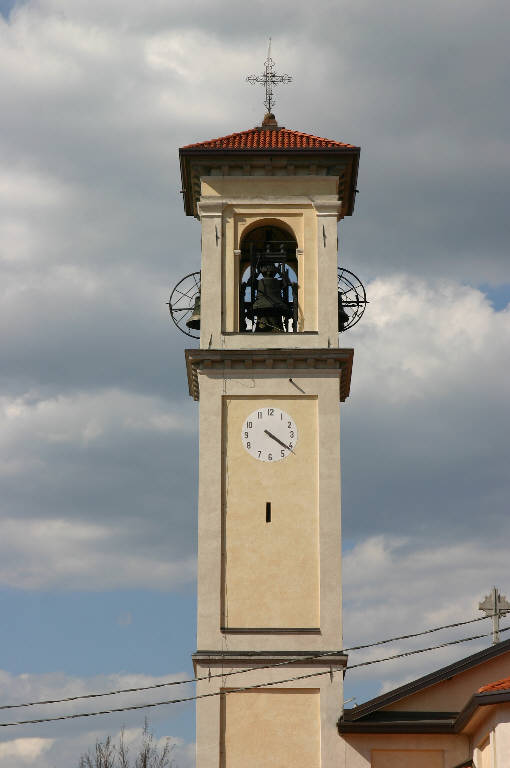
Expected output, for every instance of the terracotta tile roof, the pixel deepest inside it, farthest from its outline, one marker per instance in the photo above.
(275, 138)
(498, 685)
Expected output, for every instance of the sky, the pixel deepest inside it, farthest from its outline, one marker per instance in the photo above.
(98, 437)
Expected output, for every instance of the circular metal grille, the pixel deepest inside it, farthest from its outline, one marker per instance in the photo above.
(182, 303)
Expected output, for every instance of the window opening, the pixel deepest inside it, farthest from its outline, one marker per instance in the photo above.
(268, 290)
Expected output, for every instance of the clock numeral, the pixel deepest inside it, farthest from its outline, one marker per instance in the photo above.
(259, 453)
(291, 446)
(270, 411)
(270, 457)
(249, 424)
(290, 433)
(246, 434)
(248, 445)
(282, 454)
(259, 414)
(289, 424)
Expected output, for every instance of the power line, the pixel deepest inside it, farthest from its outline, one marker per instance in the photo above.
(312, 657)
(422, 650)
(240, 689)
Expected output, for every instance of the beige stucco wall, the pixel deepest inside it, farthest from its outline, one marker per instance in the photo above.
(451, 695)
(484, 754)
(277, 728)
(359, 750)
(407, 758)
(231, 187)
(324, 701)
(323, 388)
(305, 206)
(491, 739)
(271, 570)
(306, 552)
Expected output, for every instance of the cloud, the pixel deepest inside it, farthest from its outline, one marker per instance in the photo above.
(86, 417)
(424, 440)
(60, 524)
(130, 84)
(64, 743)
(424, 586)
(24, 750)
(433, 330)
(59, 554)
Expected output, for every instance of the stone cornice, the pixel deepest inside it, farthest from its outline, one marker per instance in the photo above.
(242, 361)
(325, 205)
(328, 208)
(253, 658)
(341, 163)
(210, 207)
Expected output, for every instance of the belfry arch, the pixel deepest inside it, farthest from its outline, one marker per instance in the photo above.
(268, 275)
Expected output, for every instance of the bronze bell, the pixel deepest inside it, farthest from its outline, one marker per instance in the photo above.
(269, 305)
(343, 317)
(194, 322)
(269, 293)
(269, 296)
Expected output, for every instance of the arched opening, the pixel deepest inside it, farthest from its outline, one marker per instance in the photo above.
(268, 285)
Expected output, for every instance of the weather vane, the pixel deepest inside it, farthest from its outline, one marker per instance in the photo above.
(269, 78)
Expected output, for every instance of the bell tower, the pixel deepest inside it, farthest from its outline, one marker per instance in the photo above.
(269, 375)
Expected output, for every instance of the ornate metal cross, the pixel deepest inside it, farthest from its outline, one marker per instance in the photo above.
(269, 78)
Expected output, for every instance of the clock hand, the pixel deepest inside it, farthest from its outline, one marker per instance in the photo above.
(278, 440)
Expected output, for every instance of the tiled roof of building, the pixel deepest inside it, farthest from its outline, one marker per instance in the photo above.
(498, 685)
(269, 138)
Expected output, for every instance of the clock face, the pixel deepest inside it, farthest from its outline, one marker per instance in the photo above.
(269, 434)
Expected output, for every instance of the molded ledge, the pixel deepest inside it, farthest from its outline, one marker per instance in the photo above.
(233, 361)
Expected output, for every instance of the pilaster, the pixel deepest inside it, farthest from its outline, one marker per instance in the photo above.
(211, 213)
(327, 247)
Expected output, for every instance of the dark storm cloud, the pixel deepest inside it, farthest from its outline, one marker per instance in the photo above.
(421, 88)
(96, 234)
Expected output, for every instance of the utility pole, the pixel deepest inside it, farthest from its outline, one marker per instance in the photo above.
(496, 605)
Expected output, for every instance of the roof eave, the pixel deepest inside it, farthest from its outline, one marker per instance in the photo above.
(485, 699)
(448, 722)
(189, 152)
(432, 678)
(267, 150)
(185, 186)
(399, 727)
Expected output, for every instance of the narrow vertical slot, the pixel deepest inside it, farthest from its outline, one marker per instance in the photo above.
(268, 511)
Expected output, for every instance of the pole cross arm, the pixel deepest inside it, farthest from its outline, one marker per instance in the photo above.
(496, 605)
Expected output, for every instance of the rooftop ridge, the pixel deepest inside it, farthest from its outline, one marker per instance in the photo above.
(269, 137)
(497, 685)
